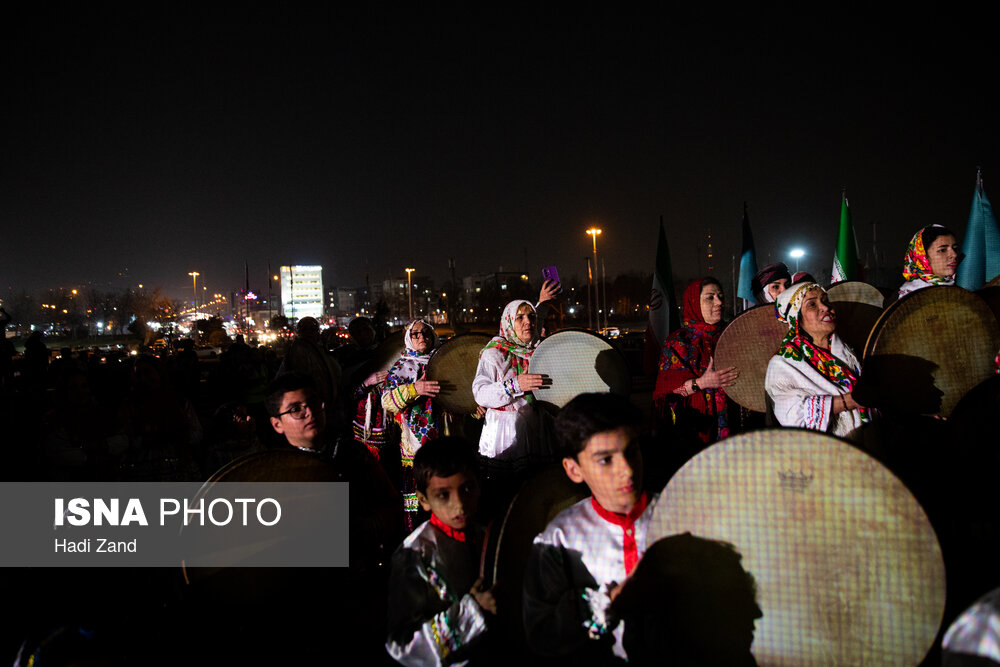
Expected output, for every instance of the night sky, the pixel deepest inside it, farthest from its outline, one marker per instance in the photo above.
(171, 140)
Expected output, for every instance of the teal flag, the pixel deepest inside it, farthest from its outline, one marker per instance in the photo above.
(981, 245)
(845, 261)
(748, 261)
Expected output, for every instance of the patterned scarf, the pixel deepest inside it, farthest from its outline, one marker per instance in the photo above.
(514, 351)
(797, 345)
(693, 350)
(410, 367)
(917, 265)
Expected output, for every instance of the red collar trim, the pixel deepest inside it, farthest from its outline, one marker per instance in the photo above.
(622, 520)
(453, 533)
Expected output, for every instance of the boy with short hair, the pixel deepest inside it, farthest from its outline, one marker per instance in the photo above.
(579, 562)
(437, 603)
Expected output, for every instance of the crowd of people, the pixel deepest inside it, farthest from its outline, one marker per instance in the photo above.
(418, 474)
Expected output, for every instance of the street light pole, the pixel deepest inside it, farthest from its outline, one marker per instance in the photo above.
(594, 232)
(194, 288)
(409, 289)
(797, 254)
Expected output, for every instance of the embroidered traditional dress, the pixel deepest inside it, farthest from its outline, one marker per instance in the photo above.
(414, 414)
(917, 267)
(686, 354)
(803, 379)
(433, 618)
(509, 415)
(369, 424)
(574, 563)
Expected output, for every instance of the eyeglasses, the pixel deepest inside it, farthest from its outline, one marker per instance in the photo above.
(422, 333)
(298, 410)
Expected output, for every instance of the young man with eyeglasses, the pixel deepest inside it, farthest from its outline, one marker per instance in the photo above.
(298, 413)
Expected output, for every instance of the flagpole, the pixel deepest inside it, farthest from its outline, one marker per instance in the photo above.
(732, 273)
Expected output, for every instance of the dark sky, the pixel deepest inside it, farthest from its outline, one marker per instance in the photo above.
(167, 140)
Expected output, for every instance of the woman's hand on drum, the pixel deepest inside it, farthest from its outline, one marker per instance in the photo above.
(427, 387)
(716, 378)
(530, 381)
(845, 402)
(376, 378)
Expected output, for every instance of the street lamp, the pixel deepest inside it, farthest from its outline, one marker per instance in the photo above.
(594, 232)
(797, 254)
(409, 289)
(194, 288)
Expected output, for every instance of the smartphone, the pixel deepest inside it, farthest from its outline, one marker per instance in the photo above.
(550, 273)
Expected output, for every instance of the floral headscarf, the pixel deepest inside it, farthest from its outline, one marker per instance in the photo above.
(410, 367)
(509, 345)
(797, 345)
(916, 264)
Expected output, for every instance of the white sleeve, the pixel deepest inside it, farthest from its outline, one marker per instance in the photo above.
(441, 635)
(495, 385)
(796, 402)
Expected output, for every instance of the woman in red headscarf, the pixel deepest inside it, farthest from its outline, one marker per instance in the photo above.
(689, 389)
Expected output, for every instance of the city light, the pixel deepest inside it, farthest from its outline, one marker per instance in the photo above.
(797, 254)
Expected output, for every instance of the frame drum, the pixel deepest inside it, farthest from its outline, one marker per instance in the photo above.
(578, 362)
(848, 567)
(928, 350)
(858, 306)
(540, 499)
(748, 343)
(280, 465)
(454, 366)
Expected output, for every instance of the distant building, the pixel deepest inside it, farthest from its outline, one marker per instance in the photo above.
(395, 293)
(302, 291)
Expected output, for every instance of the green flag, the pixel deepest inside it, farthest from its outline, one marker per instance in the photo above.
(845, 262)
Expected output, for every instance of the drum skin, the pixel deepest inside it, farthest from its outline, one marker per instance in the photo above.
(454, 367)
(748, 343)
(858, 306)
(927, 350)
(578, 362)
(281, 465)
(848, 568)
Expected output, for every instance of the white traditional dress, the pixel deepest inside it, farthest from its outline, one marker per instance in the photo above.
(803, 379)
(432, 617)
(582, 554)
(510, 417)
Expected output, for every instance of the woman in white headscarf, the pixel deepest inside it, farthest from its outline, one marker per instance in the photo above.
(503, 384)
(770, 282)
(812, 376)
(408, 397)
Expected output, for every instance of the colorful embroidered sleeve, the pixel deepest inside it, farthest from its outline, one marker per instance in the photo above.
(561, 618)
(495, 384)
(421, 632)
(398, 398)
(796, 403)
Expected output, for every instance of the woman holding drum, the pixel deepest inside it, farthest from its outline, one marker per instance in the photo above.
(932, 258)
(690, 391)
(503, 383)
(811, 376)
(408, 397)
